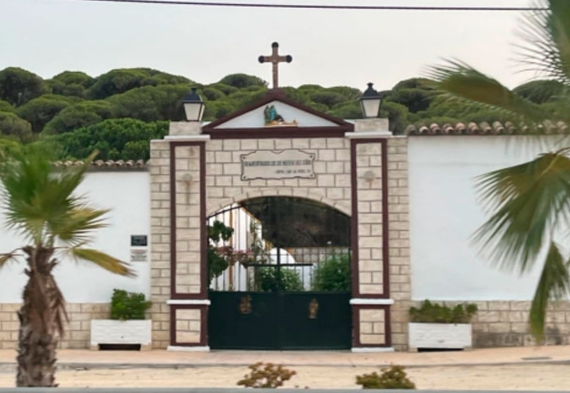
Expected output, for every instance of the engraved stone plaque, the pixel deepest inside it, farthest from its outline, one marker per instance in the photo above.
(285, 164)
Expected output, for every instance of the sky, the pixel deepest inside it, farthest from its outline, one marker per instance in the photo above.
(329, 48)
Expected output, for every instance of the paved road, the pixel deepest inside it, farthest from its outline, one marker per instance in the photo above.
(515, 377)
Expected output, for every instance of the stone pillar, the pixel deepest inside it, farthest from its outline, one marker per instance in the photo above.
(374, 239)
(179, 226)
(160, 242)
(399, 236)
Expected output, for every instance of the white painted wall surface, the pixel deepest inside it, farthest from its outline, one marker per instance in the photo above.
(127, 194)
(444, 213)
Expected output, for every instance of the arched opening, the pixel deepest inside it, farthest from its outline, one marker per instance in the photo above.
(279, 275)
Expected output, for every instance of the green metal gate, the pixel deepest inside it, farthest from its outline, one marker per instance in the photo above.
(279, 272)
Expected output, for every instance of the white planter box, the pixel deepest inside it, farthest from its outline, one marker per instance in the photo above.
(109, 331)
(439, 335)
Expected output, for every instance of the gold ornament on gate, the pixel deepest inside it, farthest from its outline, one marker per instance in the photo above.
(245, 305)
(313, 309)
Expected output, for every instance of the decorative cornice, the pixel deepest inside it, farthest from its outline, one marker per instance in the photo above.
(484, 128)
(109, 165)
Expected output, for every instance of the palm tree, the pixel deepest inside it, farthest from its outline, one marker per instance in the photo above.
(41, 205)
(530, 203)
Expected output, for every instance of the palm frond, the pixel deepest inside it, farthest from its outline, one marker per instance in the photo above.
(528, 200)
(35, 194)
(6, 258)
(554, 283)
(103, 260)
(473, 88)
(74, 227)
(547, 37)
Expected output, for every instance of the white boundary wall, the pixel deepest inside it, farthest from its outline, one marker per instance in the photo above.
(127, 194)
(444, 213)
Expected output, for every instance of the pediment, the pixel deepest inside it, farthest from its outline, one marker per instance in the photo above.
(292, 116)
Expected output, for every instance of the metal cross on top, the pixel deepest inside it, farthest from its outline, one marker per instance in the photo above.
(275, 59)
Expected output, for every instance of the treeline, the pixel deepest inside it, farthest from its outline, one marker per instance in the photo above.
(118, 112)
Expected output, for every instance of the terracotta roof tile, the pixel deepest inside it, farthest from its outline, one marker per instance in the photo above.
(107, 165)
(483, 128)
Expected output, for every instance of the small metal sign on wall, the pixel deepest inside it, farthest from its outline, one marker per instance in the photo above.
(285, 164)
(139, 250)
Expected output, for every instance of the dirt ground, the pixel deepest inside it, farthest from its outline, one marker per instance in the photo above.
(517, 377)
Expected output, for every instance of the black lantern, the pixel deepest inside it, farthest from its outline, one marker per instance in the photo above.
(370, 102)
(193, 106)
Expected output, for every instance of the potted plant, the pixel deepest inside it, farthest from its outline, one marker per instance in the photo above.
(127, 325)
(440, 326)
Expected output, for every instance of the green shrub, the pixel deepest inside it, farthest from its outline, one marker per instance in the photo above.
(217, 260)
(127, 305)
(393, 377)
(333, 274)
(435, 313)
(266, 280)
(266, 376)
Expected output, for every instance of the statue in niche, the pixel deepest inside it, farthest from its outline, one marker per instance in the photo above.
(274, 119)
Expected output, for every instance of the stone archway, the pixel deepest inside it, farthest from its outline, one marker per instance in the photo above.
(341, 206)
(279, 275)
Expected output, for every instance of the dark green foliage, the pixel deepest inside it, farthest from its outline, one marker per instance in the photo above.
(327, 98)
(79, 115)
(121, 80)
(78, 101)
(241, 81)
(349, 110)
(397, 114)
(9, 145)
(242, 98)
(333, 274)
(218, 109)
(150, 103)
(393, 377)
(415, 83)
(434, 313)
(266, 280)
(6, 107)
(14, 126)
(128, 305)
(218, 260)
(349, 93)
(212, 94)
(414, 99)
(226, 89)
(71, 83)
(115, 139)
(18, 86)
(266, 376)
(41, 110)
(541, 91)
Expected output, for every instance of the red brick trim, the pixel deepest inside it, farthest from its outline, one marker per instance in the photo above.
(203, 236)
(385, 221)
(387, 326)
(203, 325)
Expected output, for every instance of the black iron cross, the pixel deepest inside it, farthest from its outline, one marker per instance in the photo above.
(275, 59)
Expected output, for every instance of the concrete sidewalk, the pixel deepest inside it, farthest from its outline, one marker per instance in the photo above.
(165, 359)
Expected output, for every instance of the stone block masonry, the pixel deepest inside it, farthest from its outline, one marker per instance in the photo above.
(77, 331)
(372, 326)
(188, 220)
(160, 284)
(331, 184)
(188, 326)
(399, 240)
(505, 324)
(369, 208)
